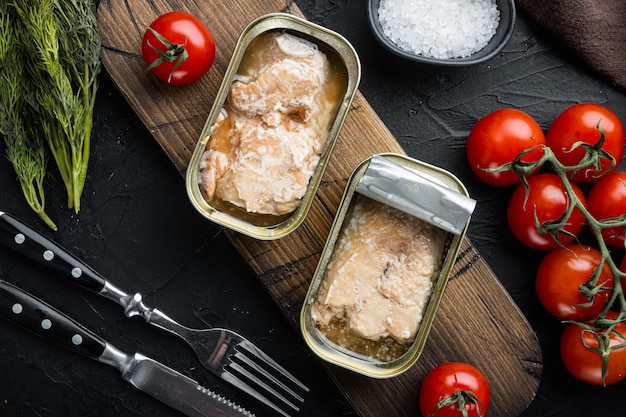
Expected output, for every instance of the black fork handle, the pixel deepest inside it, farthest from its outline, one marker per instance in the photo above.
(33, 245)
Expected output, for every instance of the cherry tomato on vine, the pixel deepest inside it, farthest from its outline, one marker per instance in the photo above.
(498, 138)
(580, 123)
(547, 197)
(583, 347)
(178, 48)
(560, 276)
(607, 199)
(453, 385)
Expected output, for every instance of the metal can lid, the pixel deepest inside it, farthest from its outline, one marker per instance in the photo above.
(410, 191)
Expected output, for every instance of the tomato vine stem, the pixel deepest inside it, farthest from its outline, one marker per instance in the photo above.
(602, 326)
(461, 398)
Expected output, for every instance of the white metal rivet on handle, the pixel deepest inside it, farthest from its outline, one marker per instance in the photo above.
(17, 308)
(48, 255)
(19, 238)
(46, 324)
(77, 339)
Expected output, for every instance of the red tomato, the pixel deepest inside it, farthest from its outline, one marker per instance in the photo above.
(607, 199)
(582, 350)
(497, 139)
(579, 123)
(453, 385)
(560, 276)
(547, 198)
(178, 48)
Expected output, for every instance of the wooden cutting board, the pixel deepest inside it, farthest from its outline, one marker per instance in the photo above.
(477, 319)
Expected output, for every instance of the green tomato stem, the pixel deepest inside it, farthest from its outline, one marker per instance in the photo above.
(593, 156)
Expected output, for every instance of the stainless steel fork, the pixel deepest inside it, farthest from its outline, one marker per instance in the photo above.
(223, 352)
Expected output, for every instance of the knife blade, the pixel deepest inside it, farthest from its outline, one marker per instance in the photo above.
(150, 376)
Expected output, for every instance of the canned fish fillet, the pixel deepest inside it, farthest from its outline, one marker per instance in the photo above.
(385, 265)
(272, 128)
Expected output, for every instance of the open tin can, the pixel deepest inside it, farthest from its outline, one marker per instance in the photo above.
(249, 216)
(385, 265)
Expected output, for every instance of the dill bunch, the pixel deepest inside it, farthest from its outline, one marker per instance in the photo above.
(25, 148)
(60, 51)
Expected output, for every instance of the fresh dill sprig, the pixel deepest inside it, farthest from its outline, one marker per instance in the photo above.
(25, 148)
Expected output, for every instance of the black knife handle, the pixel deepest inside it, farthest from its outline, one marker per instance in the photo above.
(33, 314)
(33, 245)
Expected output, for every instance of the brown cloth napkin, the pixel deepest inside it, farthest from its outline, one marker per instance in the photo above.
(595, 30)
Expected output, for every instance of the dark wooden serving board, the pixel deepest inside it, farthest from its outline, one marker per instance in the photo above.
(477, 318)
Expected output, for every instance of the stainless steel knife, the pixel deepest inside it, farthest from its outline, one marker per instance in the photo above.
(163, 383)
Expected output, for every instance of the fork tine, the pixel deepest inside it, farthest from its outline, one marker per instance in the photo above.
(250, 347)
(256, 373)
(238, 369)
(267, 376)
(233, 379)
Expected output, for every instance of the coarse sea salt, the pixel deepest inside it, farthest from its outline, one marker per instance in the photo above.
(439, 28)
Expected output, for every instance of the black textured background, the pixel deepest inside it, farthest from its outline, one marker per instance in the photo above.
(137, 228)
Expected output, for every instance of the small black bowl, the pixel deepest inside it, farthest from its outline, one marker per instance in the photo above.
(498, 41)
